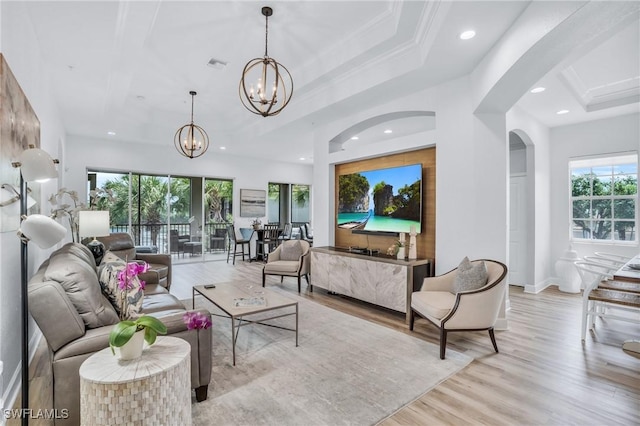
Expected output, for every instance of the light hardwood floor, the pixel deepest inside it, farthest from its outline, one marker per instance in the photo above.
(542, 375)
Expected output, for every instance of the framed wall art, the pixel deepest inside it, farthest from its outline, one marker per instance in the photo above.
(19, 128)
(253, 202)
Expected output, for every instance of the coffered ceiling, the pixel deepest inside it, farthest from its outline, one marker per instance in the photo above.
(127, 67)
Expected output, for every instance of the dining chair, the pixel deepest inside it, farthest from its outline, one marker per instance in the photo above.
(595, 300)
(286, 233)
(267, 240)
(619, 259)
(236, 243)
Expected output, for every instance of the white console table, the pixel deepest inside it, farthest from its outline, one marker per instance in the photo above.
(378, 279)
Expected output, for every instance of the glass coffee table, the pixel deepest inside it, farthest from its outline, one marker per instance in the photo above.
(237, 301)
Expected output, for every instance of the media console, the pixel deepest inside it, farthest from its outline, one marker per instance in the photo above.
(375, 278)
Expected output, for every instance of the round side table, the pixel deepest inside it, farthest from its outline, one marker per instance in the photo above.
(151, 390)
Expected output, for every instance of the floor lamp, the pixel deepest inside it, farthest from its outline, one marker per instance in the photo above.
(35, 165)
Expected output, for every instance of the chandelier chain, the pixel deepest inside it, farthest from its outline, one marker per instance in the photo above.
(266, 35)
(192, 97)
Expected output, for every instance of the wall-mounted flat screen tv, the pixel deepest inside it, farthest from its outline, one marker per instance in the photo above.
(382, 200)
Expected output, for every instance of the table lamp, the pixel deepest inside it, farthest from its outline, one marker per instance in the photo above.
(92, 224)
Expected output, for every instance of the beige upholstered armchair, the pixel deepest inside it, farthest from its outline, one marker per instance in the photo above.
(289, 259)
(454, 309)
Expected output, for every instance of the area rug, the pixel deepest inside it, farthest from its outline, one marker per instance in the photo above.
(345, 371)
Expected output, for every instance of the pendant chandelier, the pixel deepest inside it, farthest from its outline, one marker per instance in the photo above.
(266, 85)
(191, 140)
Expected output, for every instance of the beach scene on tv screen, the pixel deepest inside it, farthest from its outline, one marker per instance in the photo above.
(388, 200)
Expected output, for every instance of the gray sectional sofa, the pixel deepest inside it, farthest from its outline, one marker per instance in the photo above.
(66, 301)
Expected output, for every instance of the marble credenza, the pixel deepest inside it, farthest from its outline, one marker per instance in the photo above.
(379, 279)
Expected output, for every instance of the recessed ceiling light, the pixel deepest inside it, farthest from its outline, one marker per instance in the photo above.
(354, 138)
(223, 148)
(388, 131)
(466, 35)
(110, 133)
(301, 158)
(538, 90)
(562, 111)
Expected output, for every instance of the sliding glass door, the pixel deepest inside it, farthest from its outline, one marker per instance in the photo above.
(153, 208)
(218, 214)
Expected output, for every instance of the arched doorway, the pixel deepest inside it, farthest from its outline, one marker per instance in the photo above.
(521, 212)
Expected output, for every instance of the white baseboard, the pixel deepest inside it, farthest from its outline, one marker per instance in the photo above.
(501, 324)
(10, 394)
(538, 287)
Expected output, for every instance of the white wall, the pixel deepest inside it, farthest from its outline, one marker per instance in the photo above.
(594, 138)
(21, 51)
(472, 157)
(471, 173)
(114, 155)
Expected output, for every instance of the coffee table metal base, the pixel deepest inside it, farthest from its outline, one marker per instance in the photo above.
(241, 322)
(223, 295)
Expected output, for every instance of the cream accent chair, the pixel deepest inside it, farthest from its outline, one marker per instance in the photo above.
(288, 268)
(465, 311)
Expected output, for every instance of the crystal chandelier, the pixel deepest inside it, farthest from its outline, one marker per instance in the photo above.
(266, 85)
(191, 140)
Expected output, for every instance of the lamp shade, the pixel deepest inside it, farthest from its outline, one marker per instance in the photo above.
(93, 223)
(42, 230)
(36, 165)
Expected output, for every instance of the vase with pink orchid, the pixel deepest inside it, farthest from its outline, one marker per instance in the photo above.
(125, 330)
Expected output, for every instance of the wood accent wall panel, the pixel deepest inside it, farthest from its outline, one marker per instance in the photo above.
(426, 240)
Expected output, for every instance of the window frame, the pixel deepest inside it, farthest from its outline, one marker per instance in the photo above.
(603, 161)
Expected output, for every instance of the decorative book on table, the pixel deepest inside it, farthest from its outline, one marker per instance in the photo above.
(244, 302)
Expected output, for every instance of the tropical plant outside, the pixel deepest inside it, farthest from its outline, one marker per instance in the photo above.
(150, 199)
(216, 192)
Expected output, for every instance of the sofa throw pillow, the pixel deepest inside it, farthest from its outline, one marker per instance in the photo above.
(126, 301)
(70, 267)
(469, 276)
(291, 250)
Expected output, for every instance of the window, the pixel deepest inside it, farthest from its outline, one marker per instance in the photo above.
(300, 203)
(273, 206)
(604, 194)
(289, 202)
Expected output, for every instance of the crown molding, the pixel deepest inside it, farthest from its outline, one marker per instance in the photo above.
(616, 93)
